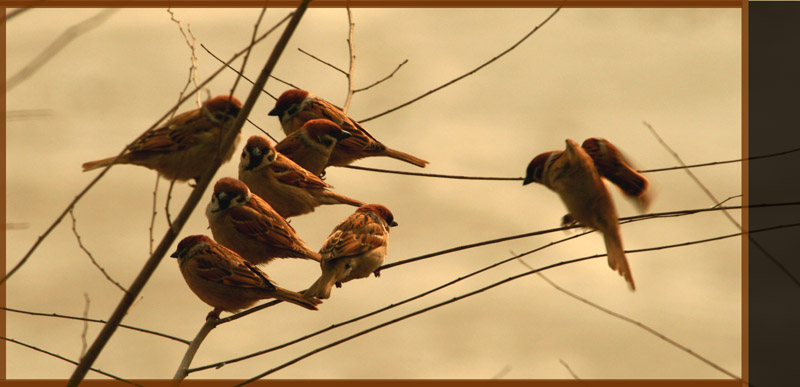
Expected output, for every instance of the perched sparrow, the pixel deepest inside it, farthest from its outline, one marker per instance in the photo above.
(185, 146)
(222, 279)
(286, 186)
(355, 248)
(311, 145)
(294, 107)
(573, 175)
(612, 165)
(246, 224)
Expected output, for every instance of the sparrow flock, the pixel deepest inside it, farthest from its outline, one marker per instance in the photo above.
(249, 215)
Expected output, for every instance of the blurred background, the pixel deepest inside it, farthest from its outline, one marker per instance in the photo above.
(586, 73)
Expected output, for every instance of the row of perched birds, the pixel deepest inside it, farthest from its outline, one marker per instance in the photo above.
(248, 216)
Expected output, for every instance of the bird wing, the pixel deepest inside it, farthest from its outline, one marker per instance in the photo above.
(289, 173)
(356, 235)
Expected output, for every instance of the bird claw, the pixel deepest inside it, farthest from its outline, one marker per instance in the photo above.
(568, 221)
(338, 284)
(377, 273)
(214, 314)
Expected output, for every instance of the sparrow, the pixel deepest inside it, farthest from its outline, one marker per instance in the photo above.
(248, 225)
(222, 279)
(311, 145)
(286, 186)
(295, 107)
(186, 145)
(575, 177)
(355, 249)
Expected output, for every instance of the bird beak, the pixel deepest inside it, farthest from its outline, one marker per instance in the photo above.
(175, 254)
(343, 135)
(394, 224)
(528, 180)
(274, 112)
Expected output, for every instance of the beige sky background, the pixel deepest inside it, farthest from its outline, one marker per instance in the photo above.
(587, 73)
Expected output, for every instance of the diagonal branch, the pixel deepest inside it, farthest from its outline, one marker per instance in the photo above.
(708, 193)
(54, 48)
(634, 322)
(66, 360)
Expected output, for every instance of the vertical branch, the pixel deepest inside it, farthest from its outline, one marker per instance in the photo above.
(351, 48)
(85, 325)
(153, 216)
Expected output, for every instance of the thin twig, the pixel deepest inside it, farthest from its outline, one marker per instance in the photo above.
(634, 322)
(66, 360)
(461, 177)
(54, 48)
(11, 14)
(708, 193)
(93, 320)
(574, 376)
(25, 114)
(502, 372)
(488, 287)
(470, 72)
(193, 58)
(85, 325)
(351, 50)
(85, 250)
(153, 216)
(245, 77)
(381, 80)
(322, 61)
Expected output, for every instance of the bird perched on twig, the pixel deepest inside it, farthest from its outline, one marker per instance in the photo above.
(295, 107)
(311, 145)
(185, 146)
(222, 279)
(286, 186)
(355, 249)
(575, 174)
(246, 224)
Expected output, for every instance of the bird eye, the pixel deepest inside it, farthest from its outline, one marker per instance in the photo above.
(244, 154)
(292, 110)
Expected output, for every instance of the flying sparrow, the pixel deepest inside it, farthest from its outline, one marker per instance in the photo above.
(575, 178)
(311, 145)
(246, 224)
(185, 146)
(222, 279)
(355, 249)
(286, 186)
(295, 107)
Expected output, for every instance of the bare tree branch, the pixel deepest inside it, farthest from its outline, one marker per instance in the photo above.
(634, 322)
(85, 250)
(54, 48)
(322, 61)
(381, 80)
(460, 177)
(66, 360)
(85, 325)
(470, 72)
(565, 363)
(351, 49)
(708, 193)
